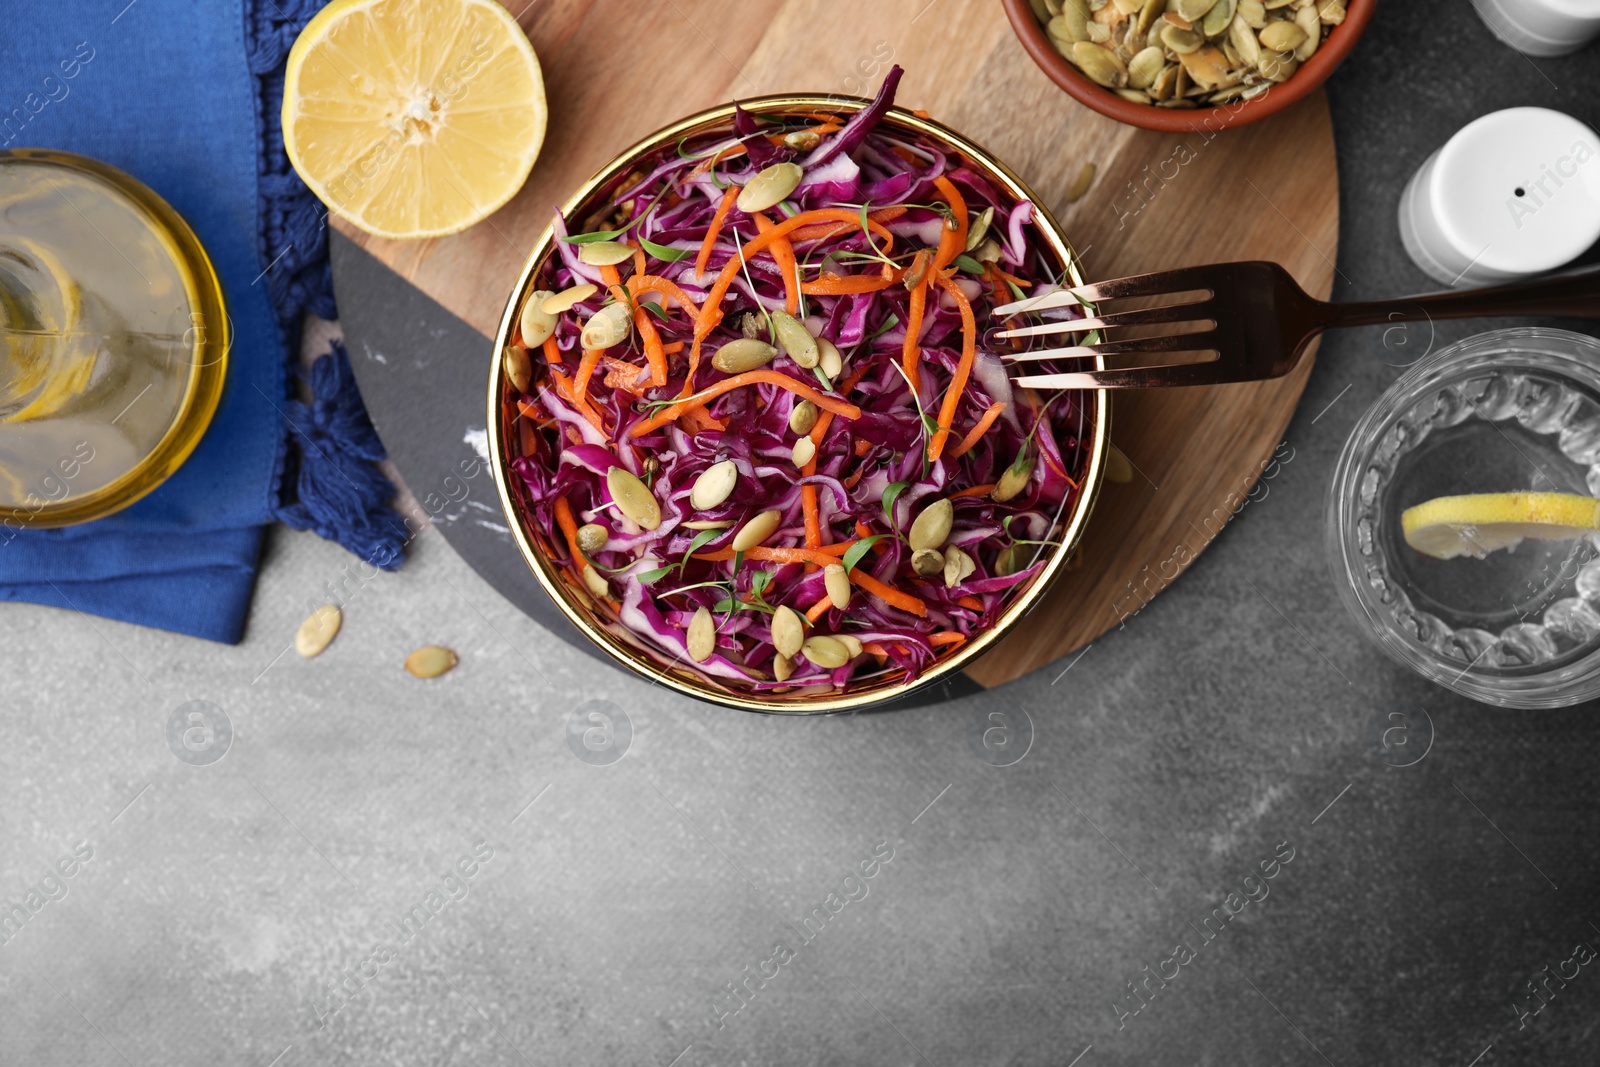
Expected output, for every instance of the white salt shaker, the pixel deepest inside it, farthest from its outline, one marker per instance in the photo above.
(1512, 194)
(1542, 27)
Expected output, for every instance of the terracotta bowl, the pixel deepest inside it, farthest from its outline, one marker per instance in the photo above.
(1312, 73)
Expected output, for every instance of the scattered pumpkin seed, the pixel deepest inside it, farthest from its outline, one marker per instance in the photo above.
(1282, 36)
(535, 324)
(927, 561)
(1014, 480)
(1011, 560)
(757, 530)
(852, 644)
(837, 582)
(979, 229)
(958, 566)
(320, 627)
(769, 188)
(707, 524)
(803, 140)
(633, 498)
(805, 450)
(607, 327)
(796, 339)
(715, 484)
(518, 368)
(604, 253)
(569, 298)
(826, 652)
(701, 639)
(989, 251)
(782, 668)
(596, 582)
(829, 361)
(931, 528)
(788, 630)
(592, 537)
(430, 661)
(804, 416)
(742, 354)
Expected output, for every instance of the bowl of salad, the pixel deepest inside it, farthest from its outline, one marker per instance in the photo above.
(750, 419)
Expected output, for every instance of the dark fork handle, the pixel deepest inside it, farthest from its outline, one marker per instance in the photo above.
(1562, 294)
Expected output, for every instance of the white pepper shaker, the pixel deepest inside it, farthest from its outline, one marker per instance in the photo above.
(1512, 194)
(1542, 27)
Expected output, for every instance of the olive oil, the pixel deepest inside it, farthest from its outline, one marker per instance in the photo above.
(114, 340)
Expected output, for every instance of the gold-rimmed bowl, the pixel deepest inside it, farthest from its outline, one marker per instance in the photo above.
(543, 553)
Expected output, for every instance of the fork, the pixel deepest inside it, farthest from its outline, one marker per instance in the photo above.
(1253, 318)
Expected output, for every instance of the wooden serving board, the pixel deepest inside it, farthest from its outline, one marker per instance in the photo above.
(616, 71)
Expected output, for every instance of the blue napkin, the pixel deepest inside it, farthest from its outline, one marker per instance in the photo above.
(184, 95)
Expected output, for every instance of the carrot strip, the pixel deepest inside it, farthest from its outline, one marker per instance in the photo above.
(824, 230)
(530, 410)
(973, 490)
(552, 351)
(673, 348)
(709, 315)
(958, 384)
(808, 503)
(654, 283)
(819, 609)
(863, 446)
(699, 419)
(715, 229)
(638, 258)
(751, 377)
(851, 482)
(970, 601)
(951, 242)
(945, 637)
(821, 556)
(888, 593)
(982, 427)
(783, 254)
(569, 527)
(911, 352)
(845, 284)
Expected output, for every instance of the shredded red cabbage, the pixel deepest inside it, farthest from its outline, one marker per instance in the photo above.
(872, 474)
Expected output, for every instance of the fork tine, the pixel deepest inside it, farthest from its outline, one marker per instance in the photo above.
(1160, 283)
(1059, 298)
(1204, 341)
(1197, 311)
(1203, 372)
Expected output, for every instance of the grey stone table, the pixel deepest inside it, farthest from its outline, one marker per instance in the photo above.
(380, 870)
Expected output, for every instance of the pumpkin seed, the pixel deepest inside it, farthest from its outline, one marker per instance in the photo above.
(1071, 26)
(745, 353)
(1207, 66)
(757, 530)
(852, 644)
(1138, 96)
(927, 561)
(431, 661)
(1254, 13)
(788, 630)
(917, 270)
(568, 298)
(958, 566)
(633, 498)
(1011, 560)
(607, 327)
(596, 582)
(1282, 36)
(715, 484)
(604, 253)
(782, 668)
(989, 251)
(931, 528)
(1243, 38)
(1080, 185)
(1014, 480)
(803, 416)
(1193, 10)
(518, 368)
(535, 323)
(701, 640)
(592, 537)
(837, 582)
(979, 229)
(769, 188)
(1215, 23)
(1101, 65)
(320, 627)
(829, 361)
(1308, 21)
(749, 325)
(826, 652)
(1279, 66)
(708, 524)
(1331, 12)
(803, 140)
(1146, 67)
(1148, 14)
(796, 339)
(1182, 41)
(805, 450)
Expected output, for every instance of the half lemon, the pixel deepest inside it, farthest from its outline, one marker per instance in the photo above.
(1452, 526)
(413, 118)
